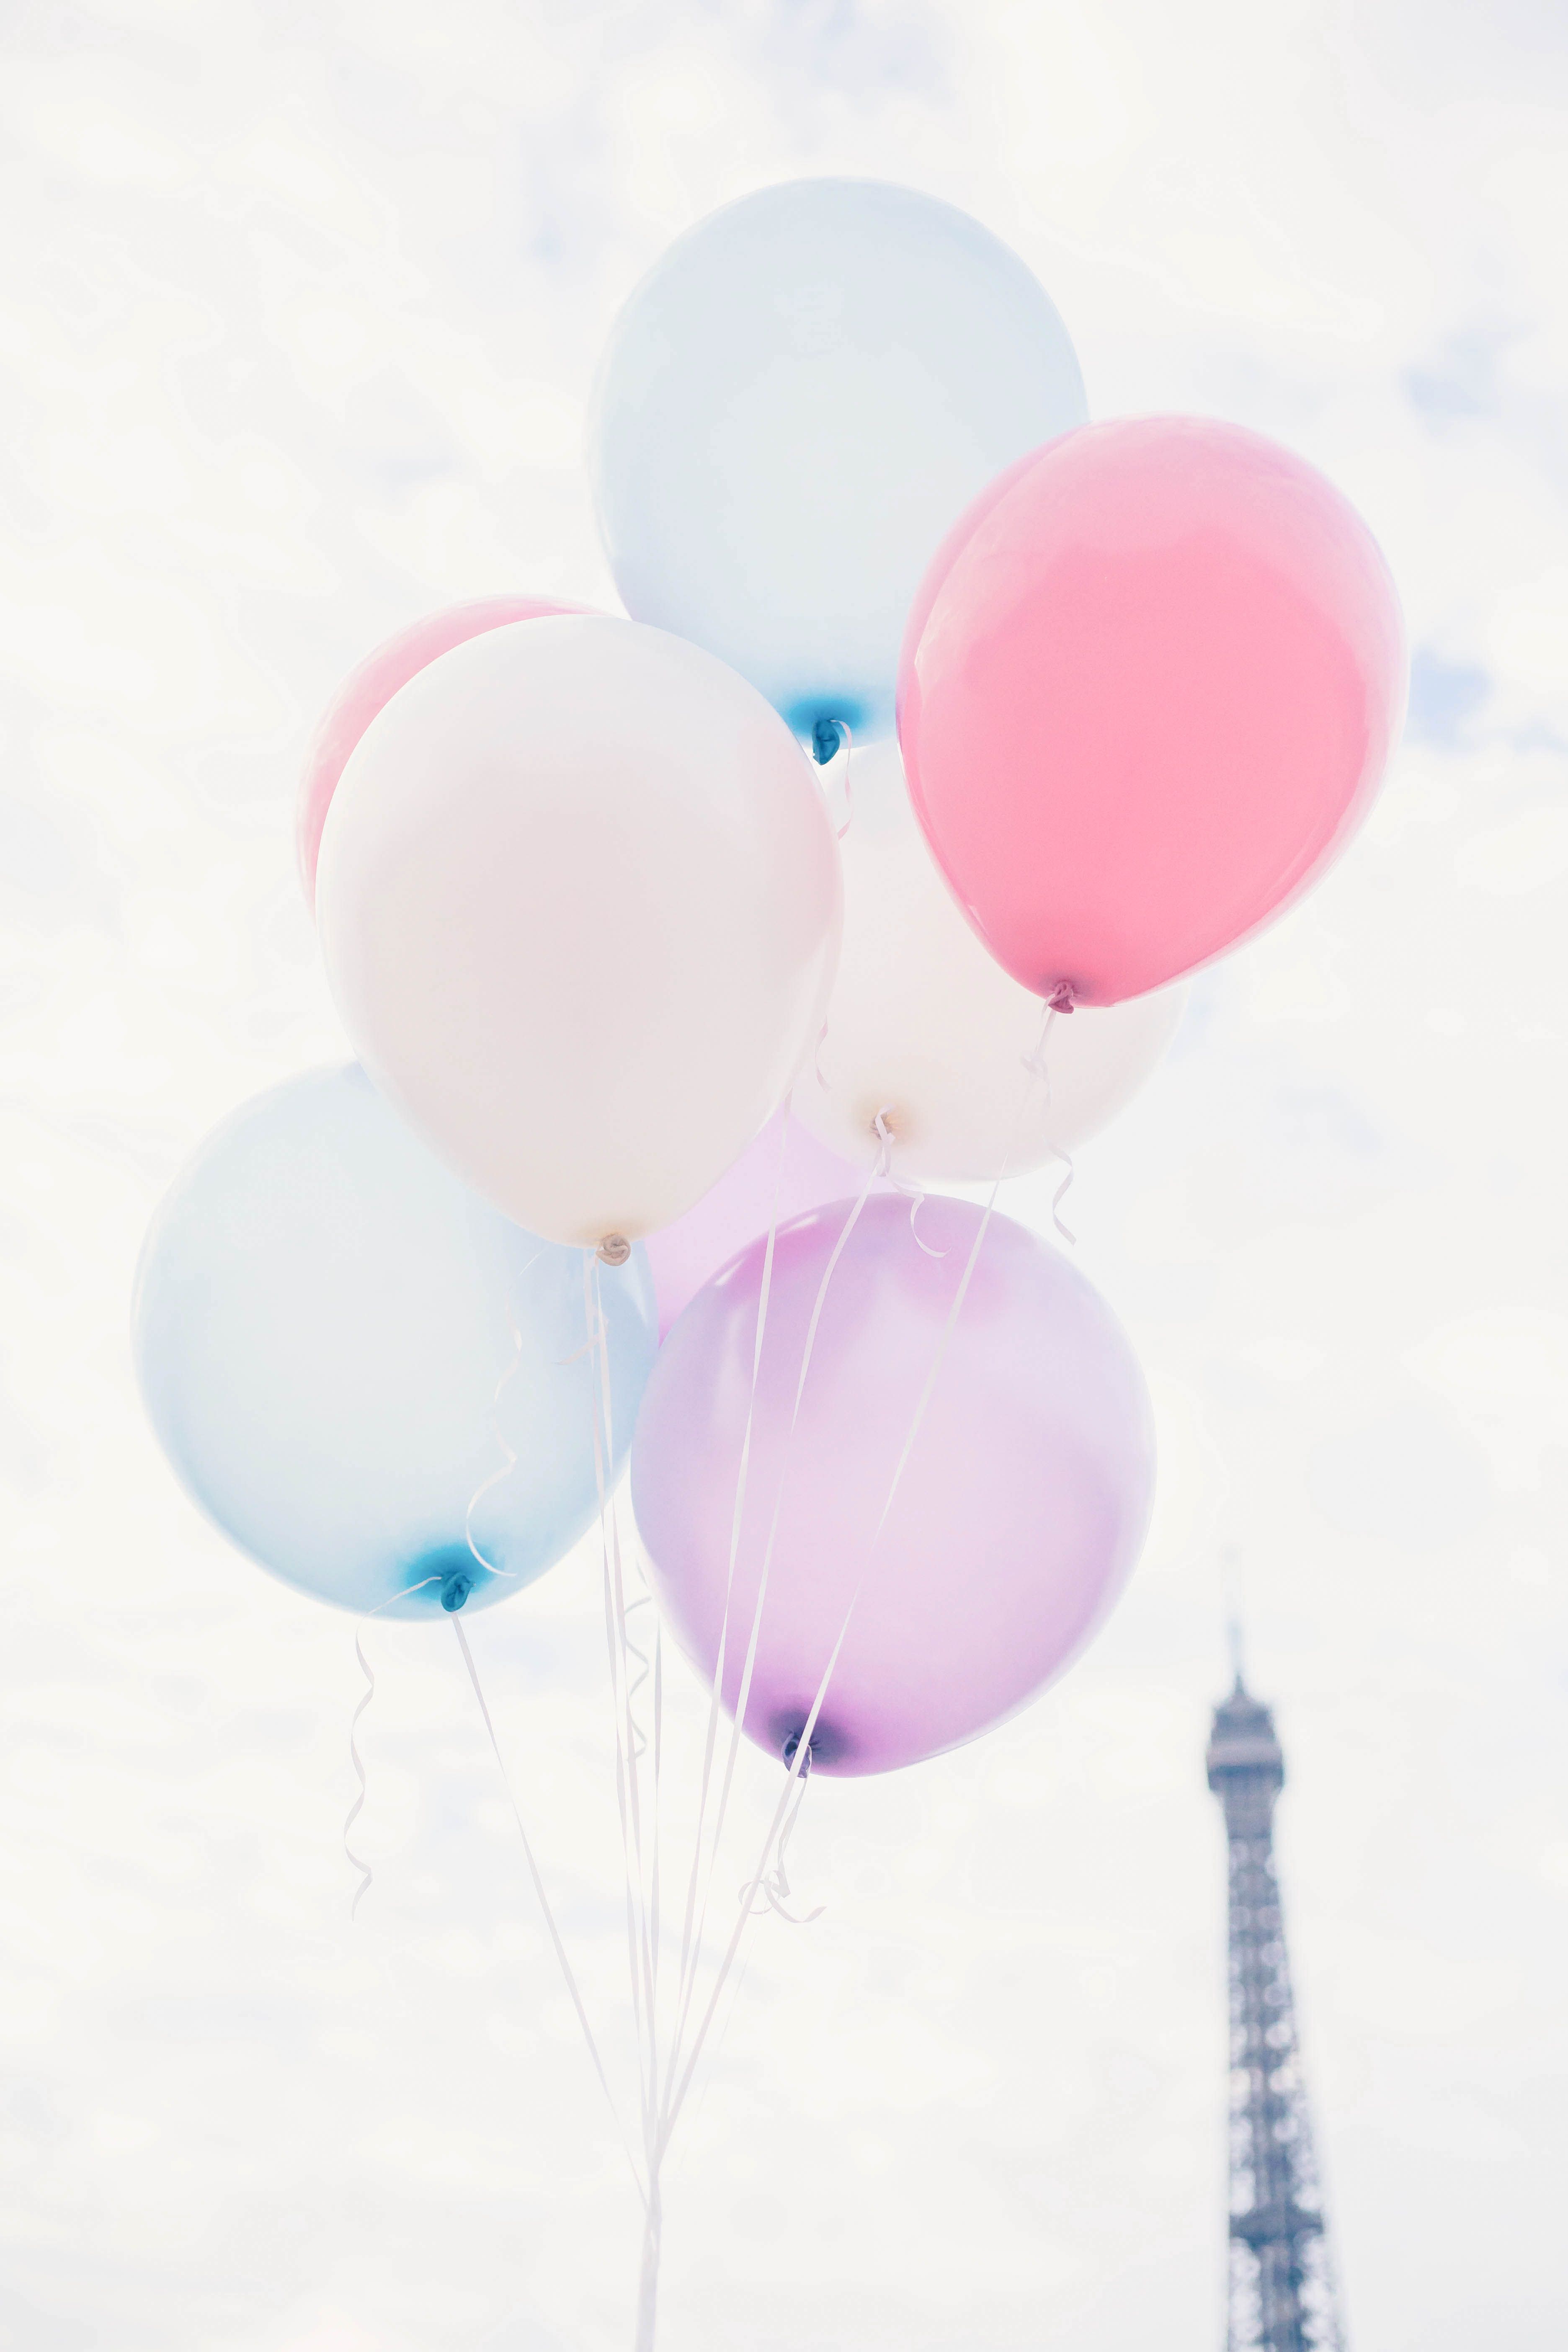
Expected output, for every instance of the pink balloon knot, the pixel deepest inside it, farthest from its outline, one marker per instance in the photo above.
(1061, 998)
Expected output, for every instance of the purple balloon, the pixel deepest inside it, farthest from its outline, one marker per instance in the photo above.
(784, 1165)
(1019, 1517)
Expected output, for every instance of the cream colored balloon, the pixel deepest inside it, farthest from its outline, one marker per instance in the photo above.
(923, 1025)
(579, 899)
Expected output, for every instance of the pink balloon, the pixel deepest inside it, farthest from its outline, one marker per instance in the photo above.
(1149, 687)
(369, 687)
(1017, 1519)
(786, 1165)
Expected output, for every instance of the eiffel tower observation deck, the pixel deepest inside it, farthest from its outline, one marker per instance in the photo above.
(1281, 2290)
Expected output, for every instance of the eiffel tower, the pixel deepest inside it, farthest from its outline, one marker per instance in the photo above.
(1282, 2294)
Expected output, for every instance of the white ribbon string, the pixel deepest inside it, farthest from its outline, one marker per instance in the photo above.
(533, 1871)
(656, 1892)
(678, 2090)
(614, 1641)
(801, 1756)
(367, 1875)
(642, 1661)
(1035, 1064)
(1060, 1196)
(776, 1886)
(642, 1864)
(743, 1697)
(636, 1745)
(913, 1193)
(737, 1993)
(508, 1450)
(694, 1886)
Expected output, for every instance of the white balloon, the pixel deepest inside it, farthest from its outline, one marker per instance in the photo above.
(579, 898)
(926, 1028)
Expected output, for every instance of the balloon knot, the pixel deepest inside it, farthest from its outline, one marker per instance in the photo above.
(1061, 998)
(613, 1250)
(455, 1590)
(826, 736)
(792, 1749)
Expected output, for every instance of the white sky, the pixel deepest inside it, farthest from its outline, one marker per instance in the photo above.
(299, 305)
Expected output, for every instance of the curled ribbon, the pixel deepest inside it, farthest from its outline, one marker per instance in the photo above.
(914, 1194)
(776, 1885)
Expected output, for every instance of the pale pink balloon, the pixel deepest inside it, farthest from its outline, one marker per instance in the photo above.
(1019, 1517)
(579, 905)
(371, 685)
(1149, 687)
(784, 1173)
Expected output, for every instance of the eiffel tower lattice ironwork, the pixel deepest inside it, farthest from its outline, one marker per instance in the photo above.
(1282, 2294)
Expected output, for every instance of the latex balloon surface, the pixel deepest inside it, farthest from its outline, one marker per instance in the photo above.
(795, 404)
(579, 899)
(925, 1027)
(1017, 1519)
(784, 1173)
(1148, 690)
(371, 686)
(353, 1364)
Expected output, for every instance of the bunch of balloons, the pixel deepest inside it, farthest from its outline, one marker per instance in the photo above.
(942, 735)
(649, 1052)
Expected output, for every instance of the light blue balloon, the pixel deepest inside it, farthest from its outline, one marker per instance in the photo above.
(795, 407)
(339, 1346)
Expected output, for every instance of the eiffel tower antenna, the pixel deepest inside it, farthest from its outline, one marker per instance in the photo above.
(1230, 1566)
(1282, 2294)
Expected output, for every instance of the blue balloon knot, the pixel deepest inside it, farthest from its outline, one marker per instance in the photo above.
(826, 735)
(455, 1590)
